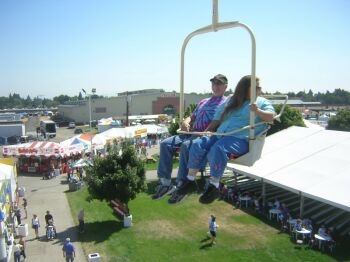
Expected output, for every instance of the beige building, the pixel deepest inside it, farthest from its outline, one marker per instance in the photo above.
(147, 102)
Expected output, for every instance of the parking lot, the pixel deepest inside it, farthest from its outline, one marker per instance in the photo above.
(62, 133)
(31, 123)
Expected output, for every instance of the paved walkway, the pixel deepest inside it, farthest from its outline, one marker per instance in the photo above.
(45, 195)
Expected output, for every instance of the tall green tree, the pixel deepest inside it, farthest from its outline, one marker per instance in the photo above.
(341, 121)
(61, 99)
(116, 176)
(290, 117)
(175, 126)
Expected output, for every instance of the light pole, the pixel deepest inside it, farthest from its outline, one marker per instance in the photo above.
(128, 102)
(93, 91)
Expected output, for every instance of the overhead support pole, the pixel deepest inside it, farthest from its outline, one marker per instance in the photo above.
(214, 27)
(215, 19)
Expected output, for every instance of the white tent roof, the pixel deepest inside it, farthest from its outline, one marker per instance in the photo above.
(155, 129)
(6, 171)
(312, 161)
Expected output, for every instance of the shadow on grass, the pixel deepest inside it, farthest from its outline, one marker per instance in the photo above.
(205, 239)
(95, 232)
(206, 245)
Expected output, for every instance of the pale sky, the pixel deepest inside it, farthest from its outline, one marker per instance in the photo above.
(54, 47)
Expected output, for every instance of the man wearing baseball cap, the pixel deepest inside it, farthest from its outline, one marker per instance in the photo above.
(199, 121)
(220, 78)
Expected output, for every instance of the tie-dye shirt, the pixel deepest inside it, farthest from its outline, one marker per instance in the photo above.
(205, 111)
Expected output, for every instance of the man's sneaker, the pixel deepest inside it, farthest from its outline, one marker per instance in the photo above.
(209, 195)
(162, 191)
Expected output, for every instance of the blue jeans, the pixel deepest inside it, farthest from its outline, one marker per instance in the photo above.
(167, 151)
(215, 149)
(17, 256)
(69, 257)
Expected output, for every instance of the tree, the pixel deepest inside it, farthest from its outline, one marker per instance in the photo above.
(61, 99)
(290, 117)
(175, 126)
(116, 176)
(341, 121)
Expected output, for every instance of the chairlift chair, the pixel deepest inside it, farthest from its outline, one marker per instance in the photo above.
(256, 143)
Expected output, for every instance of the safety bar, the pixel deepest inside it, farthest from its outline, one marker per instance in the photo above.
(207, 133)
(283, 106)
(216, 26)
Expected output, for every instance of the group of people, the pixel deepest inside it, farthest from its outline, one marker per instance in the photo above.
(68, 248)
(50, 228)
(215, 114)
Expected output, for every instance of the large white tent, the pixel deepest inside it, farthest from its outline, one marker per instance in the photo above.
(312, 162)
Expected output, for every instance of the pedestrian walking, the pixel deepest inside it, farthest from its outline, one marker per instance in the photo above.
(81, 215)
(36, 225)
(22, 242)
(68, 251)
(17, 251)
(25, 204)
(18, 216)
(212, 229)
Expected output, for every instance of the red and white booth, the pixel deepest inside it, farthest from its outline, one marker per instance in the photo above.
(40, 156)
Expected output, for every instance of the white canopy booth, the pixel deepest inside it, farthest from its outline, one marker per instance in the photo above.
(311, 162)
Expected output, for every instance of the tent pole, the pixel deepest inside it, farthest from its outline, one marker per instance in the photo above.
(235, 180)
(263, 190)
(301, 205)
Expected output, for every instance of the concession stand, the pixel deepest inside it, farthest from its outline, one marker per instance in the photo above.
(41, 156)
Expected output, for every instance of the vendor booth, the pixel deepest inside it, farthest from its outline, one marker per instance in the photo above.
(8, 189)
(40, 157)
(86, 141)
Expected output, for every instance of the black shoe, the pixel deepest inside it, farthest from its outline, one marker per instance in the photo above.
(187, 187)
(174, 198)
(209, 195)
(162, 191)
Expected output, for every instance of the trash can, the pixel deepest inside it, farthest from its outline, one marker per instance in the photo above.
(21, 191)
(95, 257)
(23, 230)
(128, 221)
(72, 187)
(77, 186)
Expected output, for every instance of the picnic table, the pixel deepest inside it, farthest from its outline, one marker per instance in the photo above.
(246, 199)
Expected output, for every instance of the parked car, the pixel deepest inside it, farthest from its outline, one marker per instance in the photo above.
(71, 125)
(24, 139)
(13, 140)
(78, 130)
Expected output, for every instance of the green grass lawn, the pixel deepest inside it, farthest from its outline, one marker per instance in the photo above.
(163, 232)
(154, 165)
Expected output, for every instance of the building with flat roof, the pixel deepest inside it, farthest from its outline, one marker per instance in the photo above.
(147, 102)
